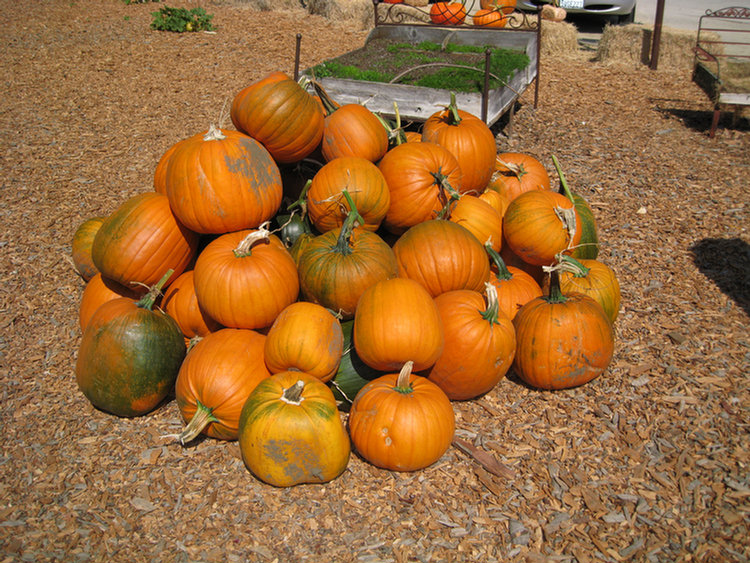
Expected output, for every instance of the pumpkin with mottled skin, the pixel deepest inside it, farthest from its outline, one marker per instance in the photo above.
(83, 238)
(291, 432)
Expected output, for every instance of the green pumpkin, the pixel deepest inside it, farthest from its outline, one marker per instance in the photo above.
(129, 356)
(588, 247)
(353, 373)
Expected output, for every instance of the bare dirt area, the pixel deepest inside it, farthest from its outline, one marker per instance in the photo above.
(648, 462)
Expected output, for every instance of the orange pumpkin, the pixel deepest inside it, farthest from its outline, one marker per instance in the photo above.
(305, 337)
(223, 181)
(516, 173)
(281, 114)
(160, 172)
(421, 178)
(401, 421)
(83, 238)
(514, 286)
(397, 321)
(469, 139)
(98, 291)
(245, 279)
(489, 17)
(441, 256)
(505, 6)
(448, 13)
(593, 278)
(540, 224)
(498, 201)
(141, 239)
(291, 431)
(562, 341)
(181, 303)
(480, 343)
(215, 379)
(479, 218)
(326, 206)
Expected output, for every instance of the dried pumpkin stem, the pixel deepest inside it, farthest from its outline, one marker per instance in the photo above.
(214, 134)
(568, 218)
(203, 417)
(572, 266)
(293, 394)
(244, 248)
(402, 383)
(517, 170)
(148, 300)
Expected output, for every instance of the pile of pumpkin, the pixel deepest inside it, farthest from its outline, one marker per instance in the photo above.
(491, 13)
(319, 257)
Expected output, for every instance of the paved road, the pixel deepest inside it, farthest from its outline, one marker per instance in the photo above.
(681, 14)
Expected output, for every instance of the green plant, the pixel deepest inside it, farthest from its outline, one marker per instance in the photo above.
(181, 19)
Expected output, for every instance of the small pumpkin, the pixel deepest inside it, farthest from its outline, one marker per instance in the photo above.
(397, 321)
(516, 173)
(290, 431)
(515, 287)
(489, 17)
(215, 379)
(593, 278)
(129, 355)
(562, 341)
(83, 238)
(401, 421)
(181, 303)
(480, 343)
(448, 13)
(479, 218)
(305, 337)
(98, 291)
(505, 6)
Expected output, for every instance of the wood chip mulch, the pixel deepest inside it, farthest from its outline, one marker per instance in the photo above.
(649, 462)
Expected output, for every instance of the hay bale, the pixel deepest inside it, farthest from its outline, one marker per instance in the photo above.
(630, 45)
(559, 39)
(358, 12)
(273, 5)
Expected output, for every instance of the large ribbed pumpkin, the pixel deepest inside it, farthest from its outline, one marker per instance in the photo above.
(305, 337)
(421, 178)
(222, 181)
(441, 256)
(129, 355)
(540, 224)
(215, 379)
(397, 321)
(469, 139)
(281, 114)
(480, 343)
(327, 207)
(562, 341)
(245, 279)
(141, 239)
(335, 268)
(401, 421)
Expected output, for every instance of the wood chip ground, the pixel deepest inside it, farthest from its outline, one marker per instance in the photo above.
(649, 462)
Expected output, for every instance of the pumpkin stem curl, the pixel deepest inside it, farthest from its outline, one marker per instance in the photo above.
(245, 247)
(517, 170)
(293, 394)
(448, 194)
(203, 417)
(148, 300)
(353, 218)
(402, 383)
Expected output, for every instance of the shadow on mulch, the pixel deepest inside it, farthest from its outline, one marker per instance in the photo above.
(700, 120)
(727, 263)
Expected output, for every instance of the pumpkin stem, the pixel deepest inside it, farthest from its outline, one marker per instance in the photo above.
(555, 293)
(445, 188)
(491, 314)
(329, 106)
(571, 265)
(244, 248)
(203, 417)
(568, 218)
(293, 394)
(402, 383)
(563, 182)
(214, 134)
(452, 117)
(148, 300)
(517, 170)
(502, 270)
(353, 218)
